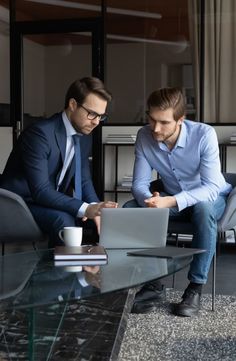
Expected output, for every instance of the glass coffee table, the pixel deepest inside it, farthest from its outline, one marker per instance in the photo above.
(50, 312)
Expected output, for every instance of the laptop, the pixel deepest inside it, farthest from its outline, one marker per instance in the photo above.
(167, 252)
(123, 228)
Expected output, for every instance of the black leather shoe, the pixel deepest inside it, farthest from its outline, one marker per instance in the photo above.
(147, 296)
(190, 304)
(143, 307)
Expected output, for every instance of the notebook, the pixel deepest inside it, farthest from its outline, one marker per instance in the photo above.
(167, 252)
(79, 253)
(86, 262)
(133, 227)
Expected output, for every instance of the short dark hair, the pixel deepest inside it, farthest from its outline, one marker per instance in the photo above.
(166, 98)
(81, 88)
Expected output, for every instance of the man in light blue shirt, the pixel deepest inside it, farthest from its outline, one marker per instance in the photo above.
(186, 156)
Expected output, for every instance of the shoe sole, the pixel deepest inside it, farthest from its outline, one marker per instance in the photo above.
(141, 309)
(177, 311)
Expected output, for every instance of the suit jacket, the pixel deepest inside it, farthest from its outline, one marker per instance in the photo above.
(34, 167)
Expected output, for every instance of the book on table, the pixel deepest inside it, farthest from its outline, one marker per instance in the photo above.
(80, 262)
(83, 253)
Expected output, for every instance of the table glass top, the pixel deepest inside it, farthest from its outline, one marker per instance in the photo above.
(32, 279)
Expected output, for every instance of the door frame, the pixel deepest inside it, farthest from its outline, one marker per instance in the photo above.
(20, 29)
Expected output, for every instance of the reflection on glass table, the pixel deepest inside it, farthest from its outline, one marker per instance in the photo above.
(45, 307)
(36, 281)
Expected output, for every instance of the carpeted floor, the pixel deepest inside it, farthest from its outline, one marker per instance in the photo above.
(160, 336)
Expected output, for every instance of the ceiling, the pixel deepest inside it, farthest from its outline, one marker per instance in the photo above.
(171, 26)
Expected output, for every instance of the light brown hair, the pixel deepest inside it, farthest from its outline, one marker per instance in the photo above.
(166, 98)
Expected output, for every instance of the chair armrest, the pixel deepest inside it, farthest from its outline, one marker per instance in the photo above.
(228, 220)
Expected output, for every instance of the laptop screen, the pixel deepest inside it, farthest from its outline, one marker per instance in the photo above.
(134, 227)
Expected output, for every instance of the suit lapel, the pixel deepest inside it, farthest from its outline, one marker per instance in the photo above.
(60, 135)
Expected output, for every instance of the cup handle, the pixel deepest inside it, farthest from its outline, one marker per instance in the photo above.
(60, 234)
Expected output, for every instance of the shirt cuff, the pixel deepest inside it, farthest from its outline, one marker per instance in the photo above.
(181, 201)
(81, 280)
(83, 208)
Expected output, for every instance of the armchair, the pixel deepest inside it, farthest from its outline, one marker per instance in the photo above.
(16, 221)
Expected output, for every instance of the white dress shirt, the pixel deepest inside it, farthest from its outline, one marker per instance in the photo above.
(70, 151)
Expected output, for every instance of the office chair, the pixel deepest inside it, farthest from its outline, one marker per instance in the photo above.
(226, 223)
(16, 221)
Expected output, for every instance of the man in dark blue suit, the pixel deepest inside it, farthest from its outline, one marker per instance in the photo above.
(42, 166)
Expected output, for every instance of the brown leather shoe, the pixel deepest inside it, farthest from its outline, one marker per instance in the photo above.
(190, 304)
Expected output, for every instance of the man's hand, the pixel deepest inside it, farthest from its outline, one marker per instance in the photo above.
(92, 276)
(97, 221)
(157, 201)
(94, 210)
(91, 269)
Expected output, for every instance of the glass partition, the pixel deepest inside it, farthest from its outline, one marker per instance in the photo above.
(51, 63)
(148, 47)
(28, 10)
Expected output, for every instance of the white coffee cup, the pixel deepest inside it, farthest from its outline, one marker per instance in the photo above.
(71, 236)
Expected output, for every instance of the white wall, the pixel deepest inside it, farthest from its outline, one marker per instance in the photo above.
(34, 87)
(4, 69)
(134, 70)
(5, 145)
(5, 132)
(125, 80)
(223, 134)
(63, 65)
(34, 78)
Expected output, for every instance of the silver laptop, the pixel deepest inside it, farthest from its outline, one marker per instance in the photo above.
(134, 227)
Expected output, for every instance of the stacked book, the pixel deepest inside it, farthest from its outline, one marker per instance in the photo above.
(126, 183)
(233, 138)
(80, 256)
(121, 138)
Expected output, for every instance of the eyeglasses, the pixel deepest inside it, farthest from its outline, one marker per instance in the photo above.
(93, 115)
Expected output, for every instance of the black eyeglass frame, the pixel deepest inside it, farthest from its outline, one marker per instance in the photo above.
(91, 115)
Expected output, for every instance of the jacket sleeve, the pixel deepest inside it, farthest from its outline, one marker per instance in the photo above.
(36, 151)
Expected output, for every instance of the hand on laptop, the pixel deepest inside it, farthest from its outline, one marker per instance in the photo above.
(94, 210)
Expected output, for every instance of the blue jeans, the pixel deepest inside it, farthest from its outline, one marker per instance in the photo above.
(204, 217)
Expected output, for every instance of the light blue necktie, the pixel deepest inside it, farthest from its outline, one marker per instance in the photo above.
(78, 190)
